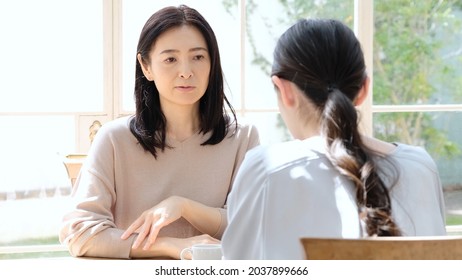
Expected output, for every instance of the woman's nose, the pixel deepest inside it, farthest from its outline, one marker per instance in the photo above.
(185, 71)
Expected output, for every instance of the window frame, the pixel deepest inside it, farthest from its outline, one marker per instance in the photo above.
(112, 67)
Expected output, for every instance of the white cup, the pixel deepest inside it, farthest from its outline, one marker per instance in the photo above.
(203, 252)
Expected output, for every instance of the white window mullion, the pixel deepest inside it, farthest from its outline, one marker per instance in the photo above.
(364, 29)
(117, 59)
(242, 34)
(108, 45)
(417, 108)
(87, 122)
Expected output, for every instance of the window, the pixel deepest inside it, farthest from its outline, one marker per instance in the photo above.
(68, 65)
(52, 71)
(264, 22)
(417, 80)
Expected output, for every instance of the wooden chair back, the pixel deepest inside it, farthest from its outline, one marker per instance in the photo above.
(73, 163)
(384, 248)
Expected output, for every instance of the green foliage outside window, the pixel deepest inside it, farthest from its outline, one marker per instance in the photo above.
(417, 54)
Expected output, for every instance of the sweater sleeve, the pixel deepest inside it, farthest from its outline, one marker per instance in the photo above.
(223, 223)
(88, 229)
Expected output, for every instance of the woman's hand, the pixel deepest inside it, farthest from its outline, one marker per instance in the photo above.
(151, 221)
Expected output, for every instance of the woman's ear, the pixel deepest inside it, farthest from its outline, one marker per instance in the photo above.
(285, 91)
(146, 70)
(363, 92)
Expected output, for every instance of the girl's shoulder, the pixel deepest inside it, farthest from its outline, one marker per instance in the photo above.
(289, 153)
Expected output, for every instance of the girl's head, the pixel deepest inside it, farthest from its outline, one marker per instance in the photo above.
(324, 60)
(321, 57)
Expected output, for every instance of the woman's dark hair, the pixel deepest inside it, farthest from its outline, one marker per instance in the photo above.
(324, 59)
(149, 123)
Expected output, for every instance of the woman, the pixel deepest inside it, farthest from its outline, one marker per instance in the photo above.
(157, 182)
(331, 181)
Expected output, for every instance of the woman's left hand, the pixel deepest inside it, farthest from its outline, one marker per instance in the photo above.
(151, 221)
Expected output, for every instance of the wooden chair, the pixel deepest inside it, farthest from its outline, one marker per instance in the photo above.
(384, 248)
(73, 163)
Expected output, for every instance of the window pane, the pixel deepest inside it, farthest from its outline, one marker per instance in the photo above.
(51, 56)
(266, 21)
(417, 52)
(51, 61)
(439, 133)
(33, 179)
(224, 24)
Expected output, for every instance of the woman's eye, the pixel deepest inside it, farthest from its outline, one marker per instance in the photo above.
(199, 57)
(170, 60)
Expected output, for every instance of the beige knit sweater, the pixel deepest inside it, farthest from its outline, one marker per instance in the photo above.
(119, 180)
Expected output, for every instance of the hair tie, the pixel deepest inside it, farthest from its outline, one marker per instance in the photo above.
(331, 87)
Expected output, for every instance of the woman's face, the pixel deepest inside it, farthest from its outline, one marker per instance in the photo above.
(179, 66)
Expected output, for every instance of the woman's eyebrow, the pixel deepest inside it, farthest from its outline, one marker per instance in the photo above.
(190, 50)
(198, 49)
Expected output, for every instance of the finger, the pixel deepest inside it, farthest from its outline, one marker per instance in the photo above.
(187, 256)
(132, 228)
(155, 228)
(142, 235)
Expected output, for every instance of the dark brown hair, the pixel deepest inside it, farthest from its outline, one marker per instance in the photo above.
(324, 59)
(149, 123)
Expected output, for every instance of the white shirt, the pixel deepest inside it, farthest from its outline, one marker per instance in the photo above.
(291, 190)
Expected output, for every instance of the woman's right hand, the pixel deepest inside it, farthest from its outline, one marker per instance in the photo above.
(153, 220)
